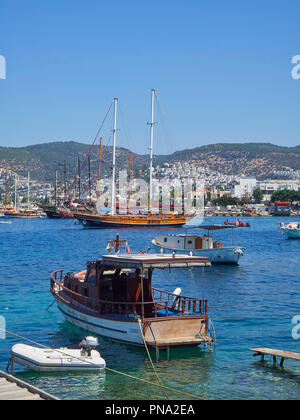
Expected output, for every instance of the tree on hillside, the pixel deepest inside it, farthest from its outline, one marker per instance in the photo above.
(226, 201)
(286, 195)
(258, 195)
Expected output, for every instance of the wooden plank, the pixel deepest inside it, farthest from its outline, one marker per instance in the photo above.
(276, 353)
(12, 388)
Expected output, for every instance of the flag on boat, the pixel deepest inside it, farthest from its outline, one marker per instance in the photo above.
(127, 248)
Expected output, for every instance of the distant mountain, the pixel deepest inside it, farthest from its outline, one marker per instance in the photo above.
(43, 160)
(251, 159)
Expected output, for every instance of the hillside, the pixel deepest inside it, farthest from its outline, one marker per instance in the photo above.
(44, 159)
(251, 159)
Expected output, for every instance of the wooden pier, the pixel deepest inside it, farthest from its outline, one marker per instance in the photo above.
(12, 388)
(275, 354)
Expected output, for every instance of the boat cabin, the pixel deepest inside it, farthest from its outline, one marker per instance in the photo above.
(186, 242)
(121, 286)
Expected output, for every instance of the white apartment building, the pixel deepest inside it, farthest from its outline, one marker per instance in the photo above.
(244, 187)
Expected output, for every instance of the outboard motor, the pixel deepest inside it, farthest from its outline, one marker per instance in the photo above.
(87, 345)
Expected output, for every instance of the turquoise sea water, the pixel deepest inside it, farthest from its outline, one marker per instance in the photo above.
(251, 306)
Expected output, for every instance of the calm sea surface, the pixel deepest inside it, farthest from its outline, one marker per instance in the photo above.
(251, 306)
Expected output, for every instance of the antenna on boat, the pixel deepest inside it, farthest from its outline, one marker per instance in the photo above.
(151, 149)
(113, 199)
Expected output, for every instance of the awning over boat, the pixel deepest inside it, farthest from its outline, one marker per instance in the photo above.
(161, 261)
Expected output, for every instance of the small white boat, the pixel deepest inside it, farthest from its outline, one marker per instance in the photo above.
(63, 359)
(203, 246)
(292, 230)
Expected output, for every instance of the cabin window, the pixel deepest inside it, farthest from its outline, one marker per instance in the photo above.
(166, 240)
(190, 242)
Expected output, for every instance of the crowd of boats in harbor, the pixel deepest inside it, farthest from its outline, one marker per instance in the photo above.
(113, 296)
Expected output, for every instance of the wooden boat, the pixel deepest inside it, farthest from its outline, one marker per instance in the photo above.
(203, 246)
(148, 219)
(63, 359)
(131, 220)
(114, 298)
(23, 214)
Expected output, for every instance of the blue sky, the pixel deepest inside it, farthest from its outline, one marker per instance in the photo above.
(222, 71)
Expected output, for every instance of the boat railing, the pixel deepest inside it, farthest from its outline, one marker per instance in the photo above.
(181, 304)
(164, 304)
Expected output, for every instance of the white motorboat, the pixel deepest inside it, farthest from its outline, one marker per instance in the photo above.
(203, 246)
(63, 359)
(292, 230)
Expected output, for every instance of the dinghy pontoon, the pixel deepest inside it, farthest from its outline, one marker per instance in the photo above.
(44, 360)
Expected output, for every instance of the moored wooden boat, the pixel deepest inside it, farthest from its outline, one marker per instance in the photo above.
(114, 298)
(131, 220)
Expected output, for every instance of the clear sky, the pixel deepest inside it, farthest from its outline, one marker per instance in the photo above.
(222, 71)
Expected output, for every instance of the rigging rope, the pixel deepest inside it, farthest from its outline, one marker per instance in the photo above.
(186, 394)
(96, 172)
(89, 152)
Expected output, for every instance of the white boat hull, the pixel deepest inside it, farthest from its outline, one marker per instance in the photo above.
(45, 360)
(225, 255)
(114, 329)
(292, 233)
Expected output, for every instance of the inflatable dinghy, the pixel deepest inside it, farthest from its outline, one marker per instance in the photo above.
(62, 359)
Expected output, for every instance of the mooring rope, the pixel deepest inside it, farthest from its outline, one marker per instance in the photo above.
(150, 358)
(186, 394)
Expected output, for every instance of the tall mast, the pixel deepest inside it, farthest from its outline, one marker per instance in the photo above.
(65, 178)
(129, 184)
(55, 188)
(16, 181)
(5, 203)
(99, 174)
(28, 191)
(113, 198)
(151, 150)
(79, 181)
(90, 179)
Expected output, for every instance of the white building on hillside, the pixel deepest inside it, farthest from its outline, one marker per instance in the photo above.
(244, 187)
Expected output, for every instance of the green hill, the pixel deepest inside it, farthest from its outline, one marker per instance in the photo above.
(252, 159)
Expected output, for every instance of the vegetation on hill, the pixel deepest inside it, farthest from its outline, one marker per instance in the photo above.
(250, 159)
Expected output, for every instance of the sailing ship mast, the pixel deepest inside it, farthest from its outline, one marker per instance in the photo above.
(113, 199)
(151, 150)
(28, 192)
(16, 198)
(5, 202)
(99, 174)
(129, 184)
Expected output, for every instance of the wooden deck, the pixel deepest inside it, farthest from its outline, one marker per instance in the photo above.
(276, 353)
(12, 388)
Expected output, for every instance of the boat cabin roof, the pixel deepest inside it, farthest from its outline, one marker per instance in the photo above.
(214, 227)
(161, 261)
